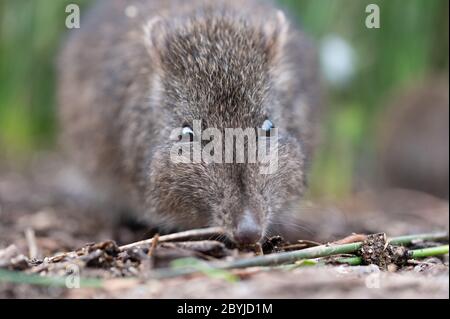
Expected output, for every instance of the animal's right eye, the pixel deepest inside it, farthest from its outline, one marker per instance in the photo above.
(187, 132)
(267, 126)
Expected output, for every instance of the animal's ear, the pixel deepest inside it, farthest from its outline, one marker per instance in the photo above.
(155, 38)
(276, 34)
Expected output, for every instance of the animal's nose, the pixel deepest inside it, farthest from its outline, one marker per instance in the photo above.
(248, 230)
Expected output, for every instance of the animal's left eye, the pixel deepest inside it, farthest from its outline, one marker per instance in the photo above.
(187, 131)
(267, 125)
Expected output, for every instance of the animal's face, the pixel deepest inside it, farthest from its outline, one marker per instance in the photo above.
(220, 72)
(236, 196)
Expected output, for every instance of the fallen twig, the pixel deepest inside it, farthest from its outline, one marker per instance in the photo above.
(155, 241)
(354, 238)
(195, 234)
(203, 246)
(32, 245)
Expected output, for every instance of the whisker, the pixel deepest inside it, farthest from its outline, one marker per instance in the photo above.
(292, 225)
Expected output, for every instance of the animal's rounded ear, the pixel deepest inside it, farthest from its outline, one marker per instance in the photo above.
(155, 38)
(276, 34)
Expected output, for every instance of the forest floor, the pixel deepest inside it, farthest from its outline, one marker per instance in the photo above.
(43, 213)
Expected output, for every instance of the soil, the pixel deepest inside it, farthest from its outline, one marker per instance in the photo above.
(376, 250)
(48, 225)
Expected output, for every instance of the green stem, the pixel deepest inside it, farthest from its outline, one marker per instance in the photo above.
(409, 239)
(31, 279)
(293, 256)
(352, 261)
(429, 252)
(267, 260)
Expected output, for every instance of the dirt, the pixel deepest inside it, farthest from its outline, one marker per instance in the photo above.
(377, 251)
(44, 215)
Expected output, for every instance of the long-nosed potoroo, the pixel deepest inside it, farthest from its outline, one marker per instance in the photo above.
(158, 99)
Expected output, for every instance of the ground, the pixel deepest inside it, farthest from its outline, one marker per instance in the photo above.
(42, 214)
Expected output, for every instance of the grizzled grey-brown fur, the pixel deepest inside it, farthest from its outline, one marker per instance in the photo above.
(137, 69)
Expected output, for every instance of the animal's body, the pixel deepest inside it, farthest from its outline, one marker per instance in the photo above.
(135, 70)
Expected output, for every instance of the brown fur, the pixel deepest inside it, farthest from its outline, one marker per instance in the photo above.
(125, 83)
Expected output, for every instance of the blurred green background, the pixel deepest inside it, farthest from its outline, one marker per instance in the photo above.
(411, 43)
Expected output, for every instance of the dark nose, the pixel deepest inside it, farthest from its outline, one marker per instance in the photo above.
(248, 231)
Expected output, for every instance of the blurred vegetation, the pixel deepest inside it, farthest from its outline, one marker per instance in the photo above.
(411, 43)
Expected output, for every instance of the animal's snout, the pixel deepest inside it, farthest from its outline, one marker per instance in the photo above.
(248, 230)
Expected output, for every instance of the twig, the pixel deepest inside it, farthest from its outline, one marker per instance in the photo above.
(194, 234)
(308, 243)
(155, 241)
(33, 250)
(258, 249)
(354, 238)
(203, 246)
(296, 246)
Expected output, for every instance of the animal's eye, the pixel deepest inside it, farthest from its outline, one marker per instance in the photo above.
(187, 132)
(267, 126)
